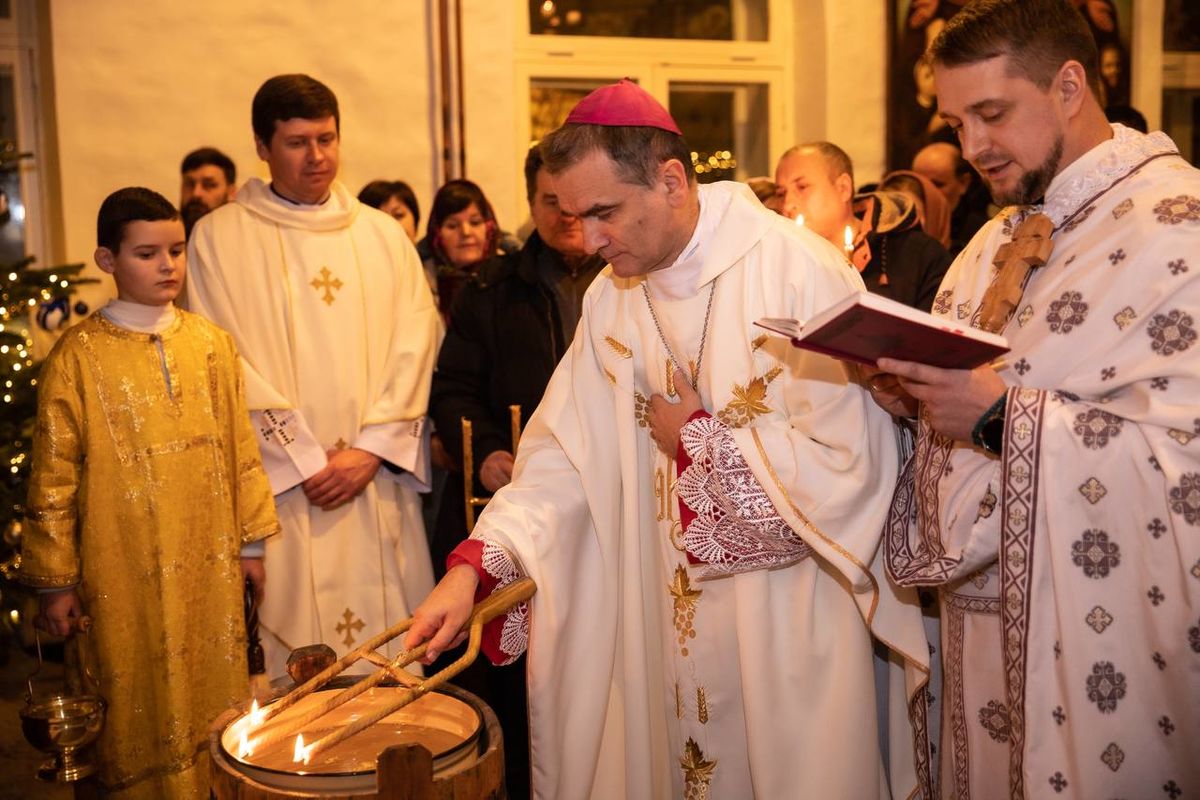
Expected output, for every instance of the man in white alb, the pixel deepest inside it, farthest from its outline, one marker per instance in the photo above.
(335, 324)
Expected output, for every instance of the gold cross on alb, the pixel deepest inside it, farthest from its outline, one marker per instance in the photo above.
(1030, 247)
(325, 282)
(348, 626)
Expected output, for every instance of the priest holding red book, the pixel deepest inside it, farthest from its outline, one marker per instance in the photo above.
(700, 507)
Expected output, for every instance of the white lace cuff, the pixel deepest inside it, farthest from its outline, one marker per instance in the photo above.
(514, 633)
(736, 528)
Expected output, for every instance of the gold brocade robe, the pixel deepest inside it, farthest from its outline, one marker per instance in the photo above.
(146, 483)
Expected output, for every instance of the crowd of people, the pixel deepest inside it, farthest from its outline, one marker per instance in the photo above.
(761, 572)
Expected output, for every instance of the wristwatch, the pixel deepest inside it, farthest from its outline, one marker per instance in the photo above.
(989, 430)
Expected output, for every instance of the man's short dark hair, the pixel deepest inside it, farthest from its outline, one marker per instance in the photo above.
(206, 156)
(533, 163)
(376, 193)
(837, 159)
(287, 97)
(1038, 36)
(132, 204)
(637, 150)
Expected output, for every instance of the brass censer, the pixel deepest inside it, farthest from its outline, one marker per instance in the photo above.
(62, 724)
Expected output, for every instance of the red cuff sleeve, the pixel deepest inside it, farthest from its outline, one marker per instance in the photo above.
(682, 462)
(504, 638)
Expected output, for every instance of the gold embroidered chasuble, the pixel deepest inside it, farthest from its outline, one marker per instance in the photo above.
(146, 483)
(1069, 569)
(646, 679)
(336, 328)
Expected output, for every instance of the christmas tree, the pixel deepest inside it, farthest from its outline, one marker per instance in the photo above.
(26, 295)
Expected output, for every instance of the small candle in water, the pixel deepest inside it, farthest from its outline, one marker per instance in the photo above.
(300, 754)
(256, 714)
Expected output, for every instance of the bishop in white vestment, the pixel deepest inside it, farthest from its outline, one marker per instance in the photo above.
(728, 653)
(336, 327)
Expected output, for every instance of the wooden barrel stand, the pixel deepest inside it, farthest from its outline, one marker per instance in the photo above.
(403, 772)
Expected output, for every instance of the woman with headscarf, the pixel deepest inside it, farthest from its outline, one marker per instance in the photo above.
(933, 212)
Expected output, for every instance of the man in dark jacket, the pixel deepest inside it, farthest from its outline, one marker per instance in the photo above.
(508, 329)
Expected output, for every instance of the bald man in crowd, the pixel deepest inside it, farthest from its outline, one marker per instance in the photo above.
(895, 257)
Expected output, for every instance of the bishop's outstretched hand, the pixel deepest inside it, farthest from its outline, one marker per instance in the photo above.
(440, 617)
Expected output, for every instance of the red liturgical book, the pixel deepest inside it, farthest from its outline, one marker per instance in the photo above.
(865, 327)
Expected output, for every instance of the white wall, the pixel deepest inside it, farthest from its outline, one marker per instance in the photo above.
(138, 84)
(840, 52)
(856, 84)
(490, 109)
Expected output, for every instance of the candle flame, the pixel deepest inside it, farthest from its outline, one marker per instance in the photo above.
(849, 234)
(300, 753)
(256, 714)
(800, 220)
(244, 748)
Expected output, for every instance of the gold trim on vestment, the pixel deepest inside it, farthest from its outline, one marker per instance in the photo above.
(291, 309)
(366, 336)
(175, 767)
(762, 453)
(870, 616)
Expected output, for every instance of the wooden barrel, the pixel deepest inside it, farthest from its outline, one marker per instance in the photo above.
(403, 772)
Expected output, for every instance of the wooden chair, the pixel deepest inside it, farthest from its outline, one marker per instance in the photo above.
(473, 502)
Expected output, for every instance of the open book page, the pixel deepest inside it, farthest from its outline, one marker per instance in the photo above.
(865, 327)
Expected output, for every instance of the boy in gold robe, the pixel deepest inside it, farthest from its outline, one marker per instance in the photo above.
(147, 505)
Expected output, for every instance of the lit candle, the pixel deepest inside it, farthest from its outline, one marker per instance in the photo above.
(849, 235)
(256, 714)
(800, 220)
(244, 748)
(300, 753)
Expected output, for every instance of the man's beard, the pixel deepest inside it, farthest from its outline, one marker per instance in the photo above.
(191, 213)
(1031, 188)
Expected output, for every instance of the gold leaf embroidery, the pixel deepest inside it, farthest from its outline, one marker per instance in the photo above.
(684, 606)
(618, 348)
(678, 702)
(749, 401)
(611, 378)
(697, 771)
(758, 341)
(670, 378)
(701, 705)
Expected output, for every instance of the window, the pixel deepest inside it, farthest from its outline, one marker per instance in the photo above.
(712, 20)
(719, 66)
